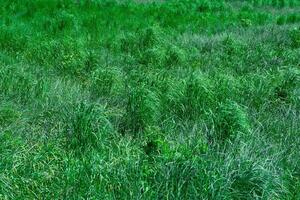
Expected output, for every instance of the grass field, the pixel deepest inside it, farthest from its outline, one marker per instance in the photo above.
(174, 99)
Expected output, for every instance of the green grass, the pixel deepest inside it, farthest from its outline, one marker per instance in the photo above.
(153, 99)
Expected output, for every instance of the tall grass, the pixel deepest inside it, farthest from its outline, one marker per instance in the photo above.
(171, 99)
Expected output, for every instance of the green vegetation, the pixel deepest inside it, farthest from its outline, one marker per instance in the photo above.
(175, 99)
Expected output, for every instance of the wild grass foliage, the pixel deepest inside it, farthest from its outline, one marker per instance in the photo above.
(171, 99)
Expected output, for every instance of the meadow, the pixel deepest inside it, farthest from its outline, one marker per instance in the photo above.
(136, 99)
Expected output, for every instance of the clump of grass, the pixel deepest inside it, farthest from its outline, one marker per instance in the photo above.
(281, 20)
(149, 37)
(153, 57)
(142, 109)
(230, 46)
(258, 89)
(172, 95)
(68, 56)
(206, 6)
(8, 115)
(175, 56)
(145, 46)
(17, 82)
(152, 48)
(292, 18)
(106, 82)
(226, 87)
(248, 184)
(252, 180)
(153, 142)
(62, 21)
(287, 84)
(282, 3)
(86, 124)
(295, 38)
(142, 40)
(197, 96)
(11, 39)
(230, 120)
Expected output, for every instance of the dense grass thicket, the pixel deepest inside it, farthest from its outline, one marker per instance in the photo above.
(174, 99)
